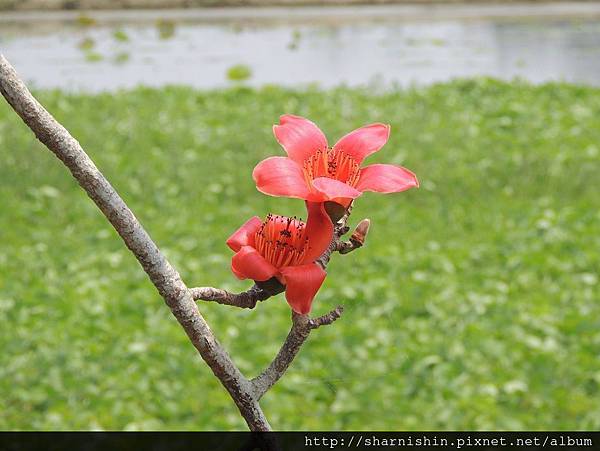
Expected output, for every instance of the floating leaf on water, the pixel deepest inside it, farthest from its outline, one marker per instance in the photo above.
(520, 62)
(239, 72)
(93, 57)
(86, 44)
(85, 21)
(237, 28)
(121, 57)
(166, 28)
(120, 35)
(296, 36)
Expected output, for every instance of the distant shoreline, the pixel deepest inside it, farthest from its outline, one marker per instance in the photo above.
(65, 5)
(326, 12)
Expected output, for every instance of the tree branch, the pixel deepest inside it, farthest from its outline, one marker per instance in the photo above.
(302, 325)
(327, 319)
(246, 299)
(164, 277)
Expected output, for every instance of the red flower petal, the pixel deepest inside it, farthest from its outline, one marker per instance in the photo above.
(364, 141)
(386, 178)
(302, 283)
(319, 230)
(237, 274)
(251, 265)
(280, 176)
(299, 137)
(244, 236)
(331, 189)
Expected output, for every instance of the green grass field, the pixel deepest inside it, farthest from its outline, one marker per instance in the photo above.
(475, 303)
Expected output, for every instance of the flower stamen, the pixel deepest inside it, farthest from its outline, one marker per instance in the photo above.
(282, 241)
(333, 164)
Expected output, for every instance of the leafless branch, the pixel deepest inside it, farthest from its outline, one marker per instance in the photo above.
(246, 299)
(327, 319)
(164, 277)
(302, 325)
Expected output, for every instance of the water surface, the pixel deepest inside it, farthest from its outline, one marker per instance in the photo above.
(382, 46)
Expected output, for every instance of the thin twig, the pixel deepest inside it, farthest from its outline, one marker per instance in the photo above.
(302, 325)
(246, 299)
(327, 319)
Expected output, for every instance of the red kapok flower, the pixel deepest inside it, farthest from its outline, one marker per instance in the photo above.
(316, 172)
(285, 248)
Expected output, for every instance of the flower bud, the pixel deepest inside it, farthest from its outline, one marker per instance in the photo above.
(360, 232)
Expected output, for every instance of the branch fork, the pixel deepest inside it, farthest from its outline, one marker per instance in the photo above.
(302, 325)
(180, 299)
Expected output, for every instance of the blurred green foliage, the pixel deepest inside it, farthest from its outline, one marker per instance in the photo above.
(473, 305)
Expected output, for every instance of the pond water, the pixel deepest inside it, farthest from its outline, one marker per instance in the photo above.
(381, 46)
